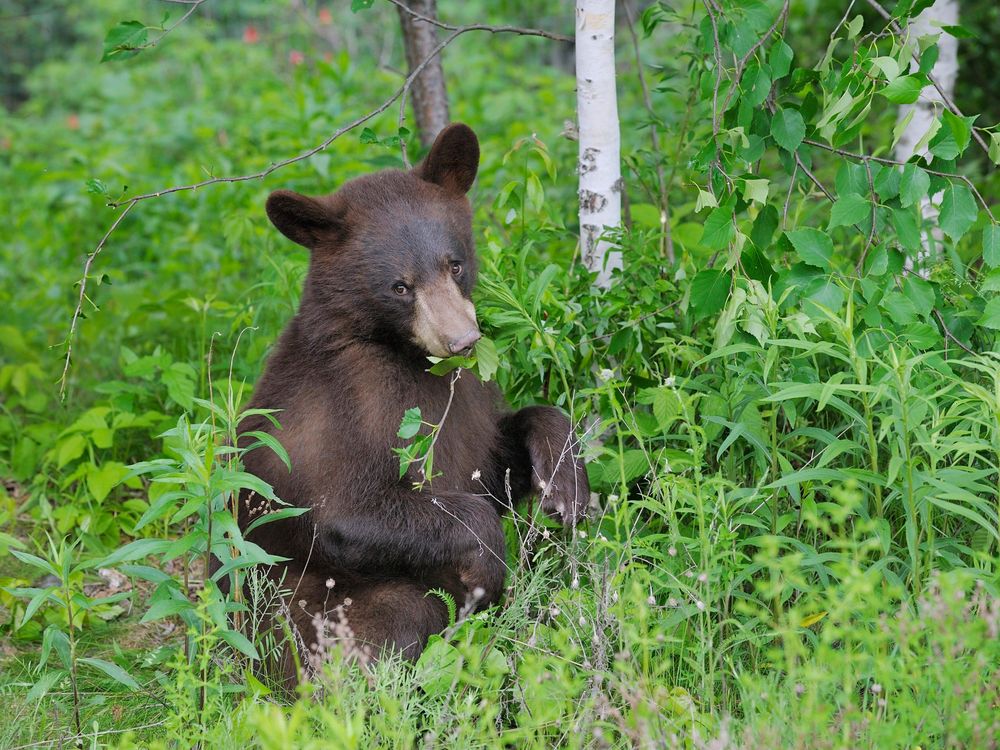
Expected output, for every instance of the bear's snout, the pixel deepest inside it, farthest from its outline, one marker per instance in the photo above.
(444, 322)
(465, 341)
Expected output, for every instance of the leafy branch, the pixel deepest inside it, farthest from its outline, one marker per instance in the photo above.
(129, 38)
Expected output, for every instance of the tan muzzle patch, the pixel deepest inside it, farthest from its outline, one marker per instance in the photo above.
(444, 323)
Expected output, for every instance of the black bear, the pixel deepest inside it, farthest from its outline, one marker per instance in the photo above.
(390, 277)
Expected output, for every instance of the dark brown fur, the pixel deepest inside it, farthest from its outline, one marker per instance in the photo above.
(342, 374)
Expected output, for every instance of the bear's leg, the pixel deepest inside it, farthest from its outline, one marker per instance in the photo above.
(359, 618)
(394, 616)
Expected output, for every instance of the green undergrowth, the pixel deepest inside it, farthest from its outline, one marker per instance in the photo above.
(792, 431)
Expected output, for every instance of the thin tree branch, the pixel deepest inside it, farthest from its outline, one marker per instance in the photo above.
(83, 292)
(948, 333)
(944, 97)
(882, 160)
(483, 26)
(193, 5)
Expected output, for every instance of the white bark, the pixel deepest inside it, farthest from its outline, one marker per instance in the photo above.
(600, 140)
(926, 109)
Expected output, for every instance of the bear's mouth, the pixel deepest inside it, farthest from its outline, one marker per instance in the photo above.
(444, 322)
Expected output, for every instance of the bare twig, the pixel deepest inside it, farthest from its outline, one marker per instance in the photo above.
(83, 295)
(948, 333)
(871, 233)
(483, 26)
(128, 203)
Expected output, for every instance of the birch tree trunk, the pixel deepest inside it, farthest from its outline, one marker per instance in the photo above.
(600, 140)
(922, 113)
(428, 93)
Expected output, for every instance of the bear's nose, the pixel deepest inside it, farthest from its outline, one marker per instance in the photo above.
(464, 342)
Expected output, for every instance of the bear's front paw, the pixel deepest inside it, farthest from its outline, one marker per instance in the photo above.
(563, 487)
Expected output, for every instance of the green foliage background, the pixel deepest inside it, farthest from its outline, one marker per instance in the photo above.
(794, 439)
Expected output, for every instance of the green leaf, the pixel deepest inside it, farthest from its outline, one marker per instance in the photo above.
(812, 246)
(41, 688)
(991, 315)
(266, 439)
(357, 5)
(888, 66)
(239, 641)
(487, 359)
(165, 608)
(70, 449)
(959, 32)
(705, 200)
(113, 671)
(102, 479)
(755, 190)
(36, 562)
(780, 59)
(179, 379)
(920, 292)
(913, 185)
(905, 224)
(900, 308)
(718, 227)
(410, 424)
(994, 150)
(33, 605)
(124, 40)
(854, 26)
(958, 210)
(755, 264)
(764, 227)
(136, 550)
(709, 291)
(990, 282)
(991, 246)
(960, 127)
(905, 89)
(849, 209)
(788, 129)
(449, 364)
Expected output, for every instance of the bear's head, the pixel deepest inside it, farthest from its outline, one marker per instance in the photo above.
(392, 258)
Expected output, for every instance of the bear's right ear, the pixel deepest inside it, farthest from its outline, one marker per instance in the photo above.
(302, 219)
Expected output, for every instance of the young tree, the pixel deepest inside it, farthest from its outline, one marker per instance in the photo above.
(920, 116)
(429, 95)
(600, 138)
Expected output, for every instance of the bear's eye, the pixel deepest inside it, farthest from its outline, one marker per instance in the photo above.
(456, 268)
(400, 288)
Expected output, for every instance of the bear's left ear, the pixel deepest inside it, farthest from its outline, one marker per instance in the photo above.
(453, 160)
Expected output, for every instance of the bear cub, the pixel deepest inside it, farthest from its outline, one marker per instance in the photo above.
(391, 272)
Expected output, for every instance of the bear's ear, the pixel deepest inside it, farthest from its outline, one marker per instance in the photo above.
(301, 219)
(453, 160)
